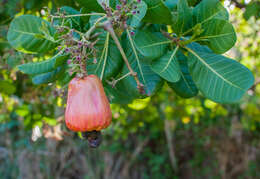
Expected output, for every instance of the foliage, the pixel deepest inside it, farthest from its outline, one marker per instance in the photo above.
(208, 140)
(200, 33)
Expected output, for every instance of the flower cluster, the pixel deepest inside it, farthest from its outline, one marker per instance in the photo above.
(78, 48)
(120, 15)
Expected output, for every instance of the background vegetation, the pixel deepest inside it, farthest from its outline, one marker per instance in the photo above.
(160, 137)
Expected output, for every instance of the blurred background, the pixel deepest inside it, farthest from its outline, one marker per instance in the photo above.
(164, 136)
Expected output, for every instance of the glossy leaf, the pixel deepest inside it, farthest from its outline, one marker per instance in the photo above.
(48, 77)
(183, 20)
(150, 45)
(109, 61)
(151, 81)
(219, 35)
(119, 94)
(167, 66)
(43, 66)
(219, 78)
(207, 10)
(31, 34)
(185, 87)
(157, 12)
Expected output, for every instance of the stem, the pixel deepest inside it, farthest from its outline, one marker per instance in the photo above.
(79, 15)
(91, 30)
(105, 59)
(108, 27)
(83, 64)
(136, 55)
(114, 82)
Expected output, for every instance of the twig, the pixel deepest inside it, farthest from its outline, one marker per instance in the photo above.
(114, 82)
(238, 4)
(91, 30)
(79, 15)
(108, 27)
(257, 82)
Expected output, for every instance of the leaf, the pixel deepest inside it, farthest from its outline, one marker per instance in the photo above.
(182, 22)
(185, 87)
(151, 81)
(137, 18)
(48, 77)
(74, 22)
(150, 45)
(7, 87)
(167, 66)
(171, 4)
(219, 35)
(109, 60)
(157, 12)
(43, 66)
(90, 5)
(219, 78)
(119, 94)
(27, 33)
(65, 78)
(207, 10)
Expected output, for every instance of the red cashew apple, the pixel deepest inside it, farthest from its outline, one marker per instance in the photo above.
(87, 108)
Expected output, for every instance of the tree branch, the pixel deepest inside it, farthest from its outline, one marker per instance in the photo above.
(108, 27)
(238, 4)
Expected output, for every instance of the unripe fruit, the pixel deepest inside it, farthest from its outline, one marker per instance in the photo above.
(87, 108)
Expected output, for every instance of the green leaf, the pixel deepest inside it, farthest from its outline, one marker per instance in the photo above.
(90, 5)
(183, 21)
(151, 81)
(150, 45)
(167, 66)
(74, 22)
(207, 10)
(48, 77)
(219, 35)
(109, 61)
(137, 18)
(171, 4)
(119, 94)
(43, 66)
(157, 12)
(185, 87)
(31, 34)
(7, 87)
(219, 78)
(65, 78)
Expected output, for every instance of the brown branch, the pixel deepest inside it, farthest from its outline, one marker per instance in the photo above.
(257, 82)
(238, 4)
(108, 27)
